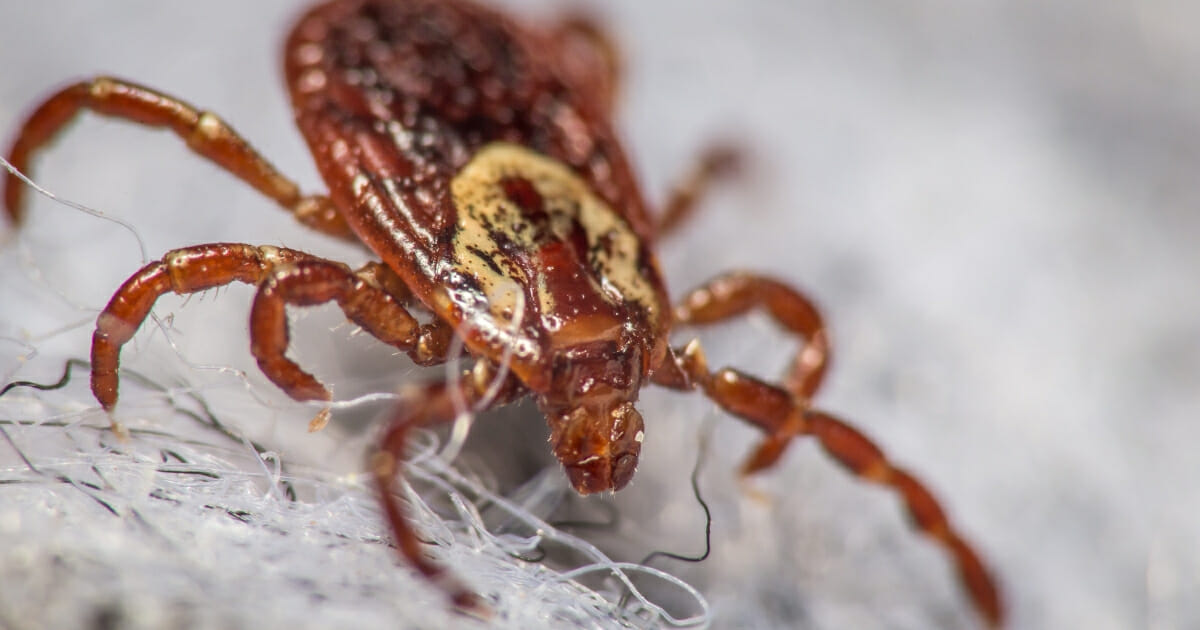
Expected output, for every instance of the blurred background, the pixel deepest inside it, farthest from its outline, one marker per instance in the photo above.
(994, 203)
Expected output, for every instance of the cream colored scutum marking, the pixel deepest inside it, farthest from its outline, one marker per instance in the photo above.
(483, 208)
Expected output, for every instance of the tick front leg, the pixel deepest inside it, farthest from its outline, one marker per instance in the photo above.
(181, 271)
(735, 294)
(433, 404)
(204, 133)
(783, 415)
(367, 297)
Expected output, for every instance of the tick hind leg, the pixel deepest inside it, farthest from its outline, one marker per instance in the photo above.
(204, 132)
(431, 405)
(284, 276)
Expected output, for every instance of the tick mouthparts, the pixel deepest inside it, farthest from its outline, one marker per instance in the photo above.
(600, 474)
(598, 447)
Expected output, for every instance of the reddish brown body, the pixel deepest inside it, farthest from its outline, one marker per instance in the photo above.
(476, 157)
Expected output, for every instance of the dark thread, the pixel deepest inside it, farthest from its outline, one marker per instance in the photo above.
(701, 452)
(62, 382)
(205, 418)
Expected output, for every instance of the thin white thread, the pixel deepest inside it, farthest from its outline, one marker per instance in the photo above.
(464, 416)
(261, 460)
(29, 352)
(34, 273)
(54, 332)
(78, 206)
(435, 468)
(229, 482)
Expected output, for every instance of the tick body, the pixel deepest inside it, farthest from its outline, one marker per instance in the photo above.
(474, 155)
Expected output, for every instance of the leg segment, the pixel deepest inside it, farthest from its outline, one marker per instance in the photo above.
(783, 415)
(364, 301)
(204, 133)
(187, 270)
(737, 293)
(717, 161)
(435, 404)
(286, 276)
(590, 57)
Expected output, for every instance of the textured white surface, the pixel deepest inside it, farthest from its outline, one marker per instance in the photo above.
(994, 204)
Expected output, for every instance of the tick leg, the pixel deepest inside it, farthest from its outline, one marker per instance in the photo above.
(588, 55)
(434, 339)
(717, 161)
(782, 415)
(434, 404)
(204, 133)
(734, 294)
(286, 276)
(366, 299)
(186, 270)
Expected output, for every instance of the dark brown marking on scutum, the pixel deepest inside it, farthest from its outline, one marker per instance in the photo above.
(521, 192)
(487, 260)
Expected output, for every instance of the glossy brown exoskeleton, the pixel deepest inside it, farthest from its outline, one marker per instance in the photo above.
(475, 156)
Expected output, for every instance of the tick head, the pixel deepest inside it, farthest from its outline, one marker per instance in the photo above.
(594, 429)
(598, 445)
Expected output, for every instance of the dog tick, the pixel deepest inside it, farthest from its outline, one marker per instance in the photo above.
(474, 155)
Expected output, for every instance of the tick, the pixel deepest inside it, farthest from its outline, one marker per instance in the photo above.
(474, 155)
